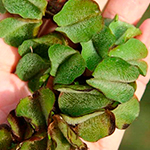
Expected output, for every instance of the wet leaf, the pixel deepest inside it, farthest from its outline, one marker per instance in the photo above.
(126, 113)
(58, 138)
(69, 134)
(77, 103)
(116, 69)
(19, 127)
(77, 120)
(5, 137)
(59, 54)
(36, 142)
(103, 41)
(97, 127)
(30, 109)
(2, 8)
(72, 68)
(117, 91)
(34, 9)
(79, 22)
(30, 65)
(16, 30)
(90, 55)
(41, 45)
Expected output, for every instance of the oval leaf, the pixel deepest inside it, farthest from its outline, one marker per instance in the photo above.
(16, 30)
(79, 103)
(29, 65)
(58, 54)
(72, 68)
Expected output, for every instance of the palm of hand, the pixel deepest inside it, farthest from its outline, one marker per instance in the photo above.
(12, 89)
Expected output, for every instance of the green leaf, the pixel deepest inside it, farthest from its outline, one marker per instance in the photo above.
(126, 113)
(40, 45)
(90, 55)
(68, 71)
(36, 142)
(82, 31)
(133, 49)
(80, 20)
(5, 137)
(129, 33)
(103, 41)
(58, 138)
(142, 65)
(16, 30)
(2, 8)
(122, 30)
(117, 91)
(29, 65)
(69, 134)
(30, 109)
(77, 120)
(59, 54)
(32, 9)
(97, 127)
(47, 99)
(116, 69)
(77, 103)
(75, 11)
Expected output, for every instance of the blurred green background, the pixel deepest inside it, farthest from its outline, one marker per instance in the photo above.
(137, 136)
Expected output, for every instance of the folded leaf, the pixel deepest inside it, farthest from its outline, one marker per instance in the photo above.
(122, 30)
(117, 91)
(47, 99)
(5, 137)
(32, 9)
(30, 109)
(16, 30)
(77, 103)
(21, 130)
(69, 134)
(29, 65)
(2, 8)
(79, 22)
(142, 65)
(77, 120)
(72, 68)
(58, 138)
(90, 55)
(126, 113)
(97, 127)
(133, 49)
(59, 54)
(116, 69)
(103, 41)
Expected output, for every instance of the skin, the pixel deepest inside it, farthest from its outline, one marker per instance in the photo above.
(12, 89)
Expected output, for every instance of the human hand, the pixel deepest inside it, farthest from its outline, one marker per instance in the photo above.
(12, 88)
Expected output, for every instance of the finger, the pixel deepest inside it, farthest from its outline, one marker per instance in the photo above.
(12, 89)
(9, 57)
(128, 10)
(142, 81)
